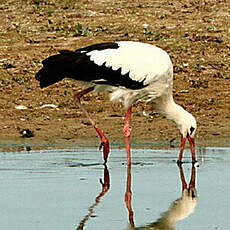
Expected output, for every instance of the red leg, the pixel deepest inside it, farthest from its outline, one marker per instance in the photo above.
(104, 140)
(127, 133)
(77, 98)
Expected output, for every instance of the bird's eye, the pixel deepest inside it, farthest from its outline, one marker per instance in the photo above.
(191, 130)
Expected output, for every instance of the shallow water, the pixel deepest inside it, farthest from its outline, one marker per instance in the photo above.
(60, 189)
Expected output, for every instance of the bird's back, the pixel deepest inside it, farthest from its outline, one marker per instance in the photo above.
(143, 62)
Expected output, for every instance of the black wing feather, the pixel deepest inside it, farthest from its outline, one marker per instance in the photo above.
(77, 65)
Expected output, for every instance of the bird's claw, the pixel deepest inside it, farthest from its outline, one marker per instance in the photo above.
(104, 143)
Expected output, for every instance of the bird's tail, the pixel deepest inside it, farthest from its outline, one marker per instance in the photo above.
(56, 67)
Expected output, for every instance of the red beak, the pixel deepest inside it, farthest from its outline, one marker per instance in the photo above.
(182, 147)
(192, 148)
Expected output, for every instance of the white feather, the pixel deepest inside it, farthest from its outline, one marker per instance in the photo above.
(124, 70)
(99, 80)
(99, 60)
(143, 61)
(107, 65)
(116, 67)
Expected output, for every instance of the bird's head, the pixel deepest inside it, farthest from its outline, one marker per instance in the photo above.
(187, 127)
(185, 122)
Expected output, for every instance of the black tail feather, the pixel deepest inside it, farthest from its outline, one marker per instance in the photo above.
(56, 67)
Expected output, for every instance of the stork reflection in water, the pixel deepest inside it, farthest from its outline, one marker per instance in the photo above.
(178, 210)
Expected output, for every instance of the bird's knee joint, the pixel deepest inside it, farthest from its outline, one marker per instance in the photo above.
(127, 131)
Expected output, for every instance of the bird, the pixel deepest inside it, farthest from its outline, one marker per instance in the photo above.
(130, 72)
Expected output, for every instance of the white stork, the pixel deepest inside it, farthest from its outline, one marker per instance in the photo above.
(130, 72)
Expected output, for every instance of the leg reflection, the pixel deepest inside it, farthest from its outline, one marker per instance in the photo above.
(105, 188)
(189, 190)
(105, 185)
(128, 195)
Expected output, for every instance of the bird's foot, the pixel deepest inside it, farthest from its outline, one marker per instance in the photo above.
(104, 143)
(179, 162)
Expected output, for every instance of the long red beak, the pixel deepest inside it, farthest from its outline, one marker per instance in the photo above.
(192, 148)
(182, 147)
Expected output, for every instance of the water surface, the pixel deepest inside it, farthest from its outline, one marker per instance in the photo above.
(60, 189)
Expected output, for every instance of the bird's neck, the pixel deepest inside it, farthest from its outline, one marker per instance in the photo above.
(172, 110)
